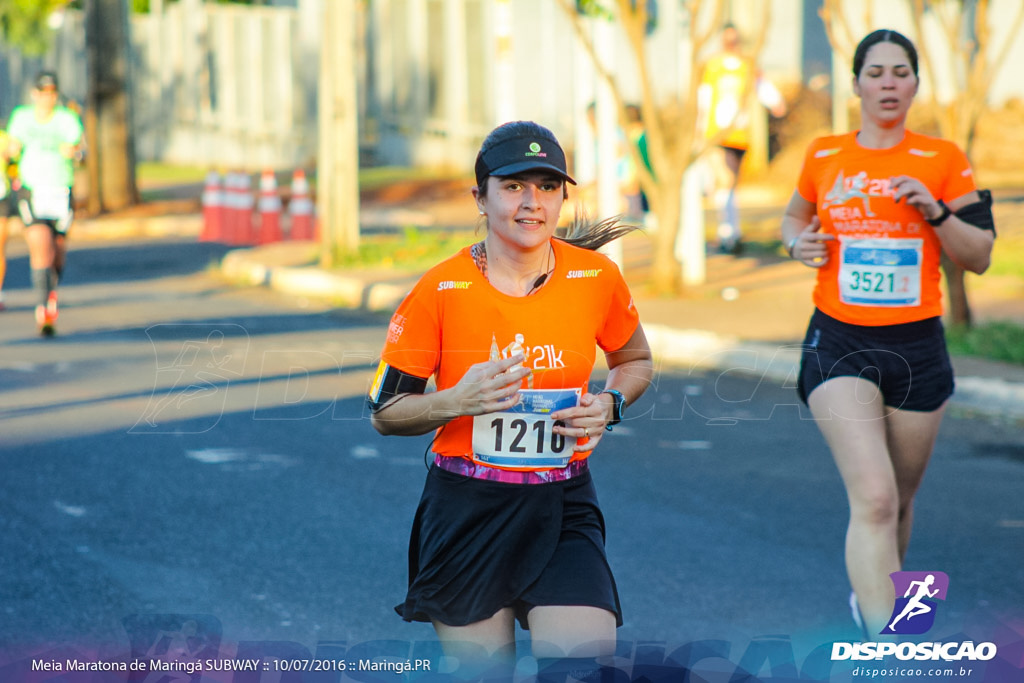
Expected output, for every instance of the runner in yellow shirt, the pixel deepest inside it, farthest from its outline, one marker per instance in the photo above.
(5, 211)
(728, 82)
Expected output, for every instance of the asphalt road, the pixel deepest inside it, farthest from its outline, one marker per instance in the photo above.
(187, 455)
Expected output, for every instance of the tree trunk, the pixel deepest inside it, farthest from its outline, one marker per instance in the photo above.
(666, 275)
(337, 186)
(959, 306)
(111, 140)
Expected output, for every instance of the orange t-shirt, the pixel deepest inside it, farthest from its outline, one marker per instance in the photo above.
(884, 265)
(454, 318)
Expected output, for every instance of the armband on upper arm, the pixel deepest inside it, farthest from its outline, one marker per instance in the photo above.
(979, 214)
(390, 382)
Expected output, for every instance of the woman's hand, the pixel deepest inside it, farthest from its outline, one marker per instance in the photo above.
(801, 233)
(585, 421)
(916, 195)
(809, 246)
(485, 388)
(489, 387)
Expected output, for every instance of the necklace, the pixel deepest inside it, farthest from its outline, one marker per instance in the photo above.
(479, 253)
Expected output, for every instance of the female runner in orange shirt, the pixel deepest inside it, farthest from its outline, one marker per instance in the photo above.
(508, 526)
(873, 211)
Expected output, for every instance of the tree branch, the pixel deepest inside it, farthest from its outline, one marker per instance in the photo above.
(1013, 33)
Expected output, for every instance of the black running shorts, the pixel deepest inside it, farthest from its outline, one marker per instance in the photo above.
(909, 362)
(8, 204)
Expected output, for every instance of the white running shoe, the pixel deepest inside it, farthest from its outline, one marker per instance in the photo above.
(858, 618)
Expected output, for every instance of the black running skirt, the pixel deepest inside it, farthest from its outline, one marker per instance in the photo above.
(480, 546)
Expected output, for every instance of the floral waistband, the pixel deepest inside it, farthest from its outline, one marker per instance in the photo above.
(468, 468)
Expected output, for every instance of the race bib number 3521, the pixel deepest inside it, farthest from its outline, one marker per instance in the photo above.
(880, 272)
(523, 436)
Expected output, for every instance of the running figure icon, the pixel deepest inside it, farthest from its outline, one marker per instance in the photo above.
(921, 592)
(915, 607)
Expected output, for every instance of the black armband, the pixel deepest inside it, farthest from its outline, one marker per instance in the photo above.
(391, 382)
(979, 214)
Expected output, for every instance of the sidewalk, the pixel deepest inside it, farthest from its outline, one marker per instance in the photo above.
(749, 317)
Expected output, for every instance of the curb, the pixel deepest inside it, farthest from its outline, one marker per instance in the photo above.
(298, 275)
(108, 228)
(684, 349)
(991, 397)
(187, 225)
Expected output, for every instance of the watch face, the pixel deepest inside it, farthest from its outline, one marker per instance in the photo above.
(620, 406)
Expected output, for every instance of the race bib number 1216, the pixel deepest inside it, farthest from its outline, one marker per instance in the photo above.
(523, 436)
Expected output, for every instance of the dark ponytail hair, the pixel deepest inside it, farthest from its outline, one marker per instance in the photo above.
(587, 233)
(883, 35)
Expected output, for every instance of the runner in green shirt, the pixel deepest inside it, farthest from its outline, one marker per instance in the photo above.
(48, 138)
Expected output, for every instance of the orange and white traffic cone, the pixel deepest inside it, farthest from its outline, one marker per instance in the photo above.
(269, 208)
(246, 204)
(238, 205)
(300, 208)
(232, 182)
(213, 209)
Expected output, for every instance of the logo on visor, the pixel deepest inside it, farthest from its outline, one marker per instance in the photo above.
(914, 613)
(535, 150)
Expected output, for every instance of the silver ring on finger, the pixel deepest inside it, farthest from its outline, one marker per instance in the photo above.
(586, 432)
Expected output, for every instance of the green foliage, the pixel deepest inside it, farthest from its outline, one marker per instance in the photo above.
(23, 24)
(143, 6)
(414, 249)
(1001, 341)
(160, 173)
(593, 8)
(378, 177)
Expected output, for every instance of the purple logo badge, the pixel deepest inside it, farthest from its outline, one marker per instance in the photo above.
(914, 612)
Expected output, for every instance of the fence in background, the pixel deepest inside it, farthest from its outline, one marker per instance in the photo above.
(224, 86)
(235, 86)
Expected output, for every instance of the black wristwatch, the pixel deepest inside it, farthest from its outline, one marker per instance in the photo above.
(941, 218)
(618, 408)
